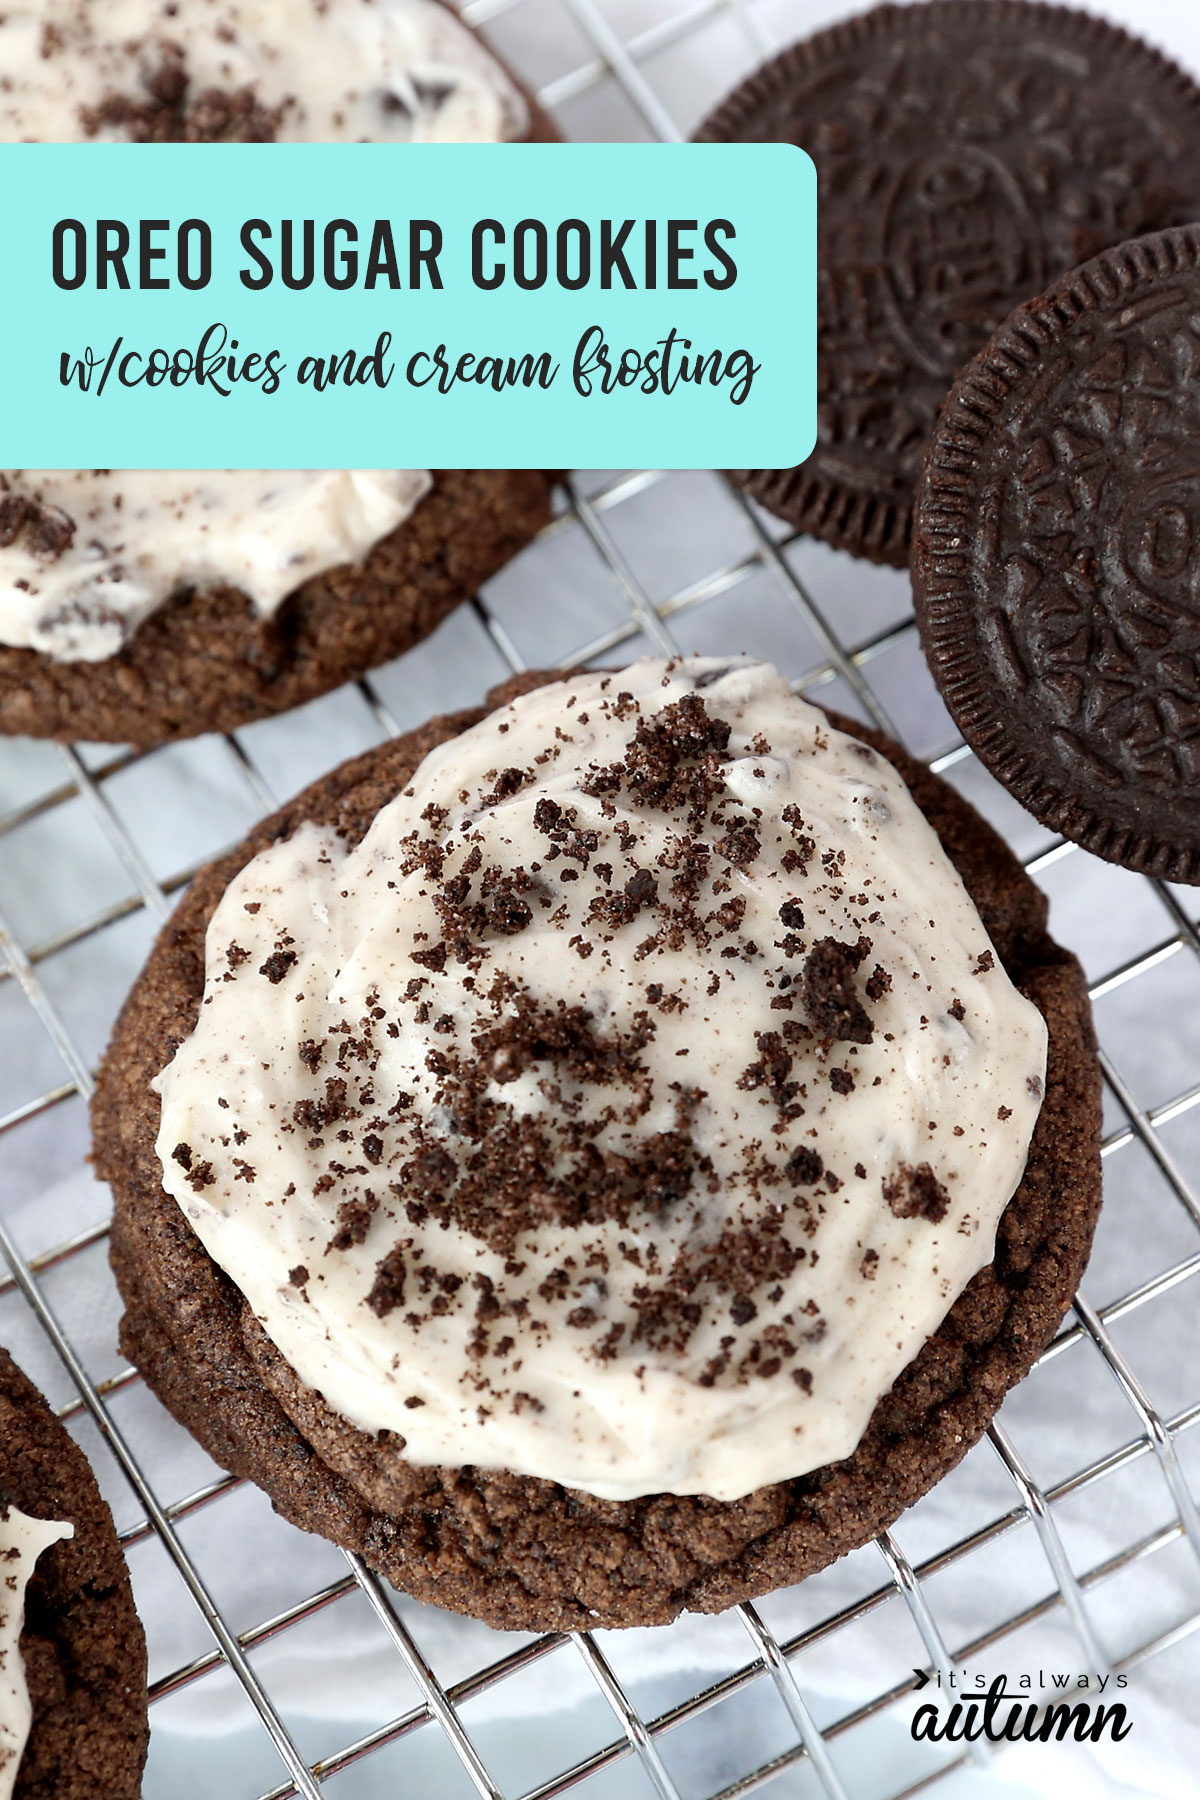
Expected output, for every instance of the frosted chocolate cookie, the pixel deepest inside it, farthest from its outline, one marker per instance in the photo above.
(607, 1154)
(967, 153)
(138, 606)
(72, 1656)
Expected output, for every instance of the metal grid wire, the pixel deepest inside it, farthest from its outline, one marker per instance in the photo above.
(616, 599)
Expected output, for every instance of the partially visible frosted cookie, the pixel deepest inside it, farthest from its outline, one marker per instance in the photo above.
(142, 605)
(72, 1654)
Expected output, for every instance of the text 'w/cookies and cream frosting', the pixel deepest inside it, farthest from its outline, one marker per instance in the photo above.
(22, 1541)
(627, 1107)
(87, 554)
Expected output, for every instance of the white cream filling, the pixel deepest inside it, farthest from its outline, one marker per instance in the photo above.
(310, 957)
(22, 1541)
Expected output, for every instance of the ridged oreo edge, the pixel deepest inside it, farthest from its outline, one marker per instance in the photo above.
(797, 60)
(946, 608)
(873, 525)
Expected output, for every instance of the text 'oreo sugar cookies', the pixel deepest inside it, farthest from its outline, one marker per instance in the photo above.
(967, 153)
(1057, 555)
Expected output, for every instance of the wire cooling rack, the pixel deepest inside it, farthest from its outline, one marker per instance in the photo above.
(1069, 1537)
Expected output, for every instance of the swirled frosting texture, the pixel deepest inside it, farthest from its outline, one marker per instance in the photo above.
(299, 71)
(627, 1108)
(22, 1541)
(87, 554)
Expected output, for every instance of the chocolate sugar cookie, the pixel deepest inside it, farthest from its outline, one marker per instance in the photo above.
(967, 153)
(1057, 555)
(144, 605)
(605, 1155)
(73, 1674)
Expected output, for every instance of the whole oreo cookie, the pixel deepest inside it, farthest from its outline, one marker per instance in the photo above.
(523, 1553)
(1057, 555)
(82, 1644)
(967, 153)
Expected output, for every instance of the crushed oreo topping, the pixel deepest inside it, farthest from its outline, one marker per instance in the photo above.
(916, 1193)
(833, 1005)
(169, 113)
(804, 1166)
(672, 763)
(46, 530)
(587, 1068)
(277, 965)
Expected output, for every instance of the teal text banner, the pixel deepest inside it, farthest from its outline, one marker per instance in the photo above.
(411, 306)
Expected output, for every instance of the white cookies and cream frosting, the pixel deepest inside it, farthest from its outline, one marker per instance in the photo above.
(296, 71)
(86, 554)
(22, 1541)
(627, 1108)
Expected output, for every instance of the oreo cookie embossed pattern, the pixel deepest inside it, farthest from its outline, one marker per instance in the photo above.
(1057, 555)
(967, 153)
